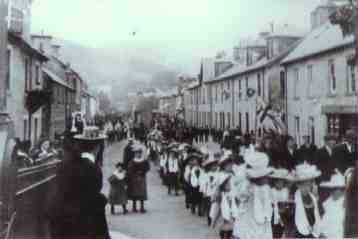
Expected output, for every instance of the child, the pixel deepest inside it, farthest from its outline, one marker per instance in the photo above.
(307, 217)
(118, 189)
(332, 221)
(173, 171)
(280, 197)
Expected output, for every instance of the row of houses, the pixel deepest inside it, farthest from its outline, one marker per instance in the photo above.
(306, 77)
(42, 89)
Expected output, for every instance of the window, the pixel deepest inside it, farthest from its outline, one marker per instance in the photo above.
(240, 90)
(216, 120)
(58, 94)
(310, 80)
(246, 85)
(240, 125)
(311, 128)
(351, 78)
(216, 93)
(28, 75)
(297, 129)
(247, 122)
(332, 77)
(282, 84)
(8, 69)
(259, 84)
(37, 74)
(296, 82)
(229, 119)
(228, 85)
(222, 92)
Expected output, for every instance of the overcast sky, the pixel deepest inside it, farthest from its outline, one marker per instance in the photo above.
(182, 30)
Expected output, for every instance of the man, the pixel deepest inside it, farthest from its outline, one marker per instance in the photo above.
(346, 153)
(288, 158)
(307, 151)
(128, 153)
(324, 160)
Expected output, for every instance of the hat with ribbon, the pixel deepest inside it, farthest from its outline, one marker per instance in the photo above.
(257, 165)
(280, 173)
(305, 172)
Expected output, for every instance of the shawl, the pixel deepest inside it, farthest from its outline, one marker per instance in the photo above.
(301, 220)
(194, 180)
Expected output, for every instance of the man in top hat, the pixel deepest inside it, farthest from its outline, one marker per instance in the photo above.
(78, 208)
(346, 153)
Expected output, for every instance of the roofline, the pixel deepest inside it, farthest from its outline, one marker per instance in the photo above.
(19, 41)
(332, 49)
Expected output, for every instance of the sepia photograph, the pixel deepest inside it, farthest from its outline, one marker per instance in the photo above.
(178, 119)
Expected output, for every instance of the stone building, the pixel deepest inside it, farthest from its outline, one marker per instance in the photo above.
(322, 85)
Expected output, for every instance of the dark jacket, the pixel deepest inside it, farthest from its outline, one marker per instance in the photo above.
(128, 155)
(306, 154)
(78, 207)
(285, 159)
(325, 162)
(343, 158)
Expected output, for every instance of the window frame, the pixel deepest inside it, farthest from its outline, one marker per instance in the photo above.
(332, 79)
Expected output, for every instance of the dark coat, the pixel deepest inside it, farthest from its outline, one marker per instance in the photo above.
(306, 154)
(343, 158)
(325, 163)
(118, 191)
(285, 159)
(137, 181)
(78, 207)
(128, 155)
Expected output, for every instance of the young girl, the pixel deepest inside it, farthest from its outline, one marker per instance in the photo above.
(118, 189)
(280, 197)
(332, 221)
(307, 217)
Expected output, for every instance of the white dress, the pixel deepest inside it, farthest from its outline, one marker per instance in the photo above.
(254, 213)
(332, 221)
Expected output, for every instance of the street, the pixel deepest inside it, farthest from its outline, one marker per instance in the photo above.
(165, 217)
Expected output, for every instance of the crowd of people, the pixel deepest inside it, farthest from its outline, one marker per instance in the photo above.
(252, 187)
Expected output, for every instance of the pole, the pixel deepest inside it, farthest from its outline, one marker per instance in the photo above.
(3, 54)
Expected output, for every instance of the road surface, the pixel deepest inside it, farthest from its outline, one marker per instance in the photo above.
(165, 218)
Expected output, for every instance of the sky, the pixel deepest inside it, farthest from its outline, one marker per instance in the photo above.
(182, 31)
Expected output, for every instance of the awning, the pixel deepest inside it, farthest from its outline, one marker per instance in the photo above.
(54, 77)
(340, 109)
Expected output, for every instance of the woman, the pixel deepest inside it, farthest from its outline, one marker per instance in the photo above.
(43, 151)
(137, 182)
(118, 190)
(307, 217)
(254, 210)
(172, 165)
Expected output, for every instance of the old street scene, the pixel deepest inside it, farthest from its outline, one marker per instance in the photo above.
(157, 119)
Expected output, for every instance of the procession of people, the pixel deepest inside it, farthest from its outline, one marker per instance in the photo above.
(262, 187)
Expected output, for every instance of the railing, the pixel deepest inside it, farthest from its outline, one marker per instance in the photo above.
(28, 219)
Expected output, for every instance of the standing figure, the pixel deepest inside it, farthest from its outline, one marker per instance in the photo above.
(333, 217)
(128, 153)
(195, 195)
(307, 218)
(78, 206)
(254, 203)
(173, 171)
(118, 190)
(137, 182)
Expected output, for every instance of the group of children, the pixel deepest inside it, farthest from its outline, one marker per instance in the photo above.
(243, 197)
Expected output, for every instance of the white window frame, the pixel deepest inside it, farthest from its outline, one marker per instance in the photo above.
(349, 73)
(332, 87)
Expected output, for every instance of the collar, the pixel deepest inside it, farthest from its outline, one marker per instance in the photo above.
(88, 156)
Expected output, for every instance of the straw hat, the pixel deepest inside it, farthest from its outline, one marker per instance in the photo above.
(257, 164)
(305, 172)
(337, 181)
(280, 173)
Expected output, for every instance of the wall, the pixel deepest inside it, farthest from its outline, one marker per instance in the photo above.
(316, 95)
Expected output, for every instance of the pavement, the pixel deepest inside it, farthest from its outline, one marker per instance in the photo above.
(166, 215)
